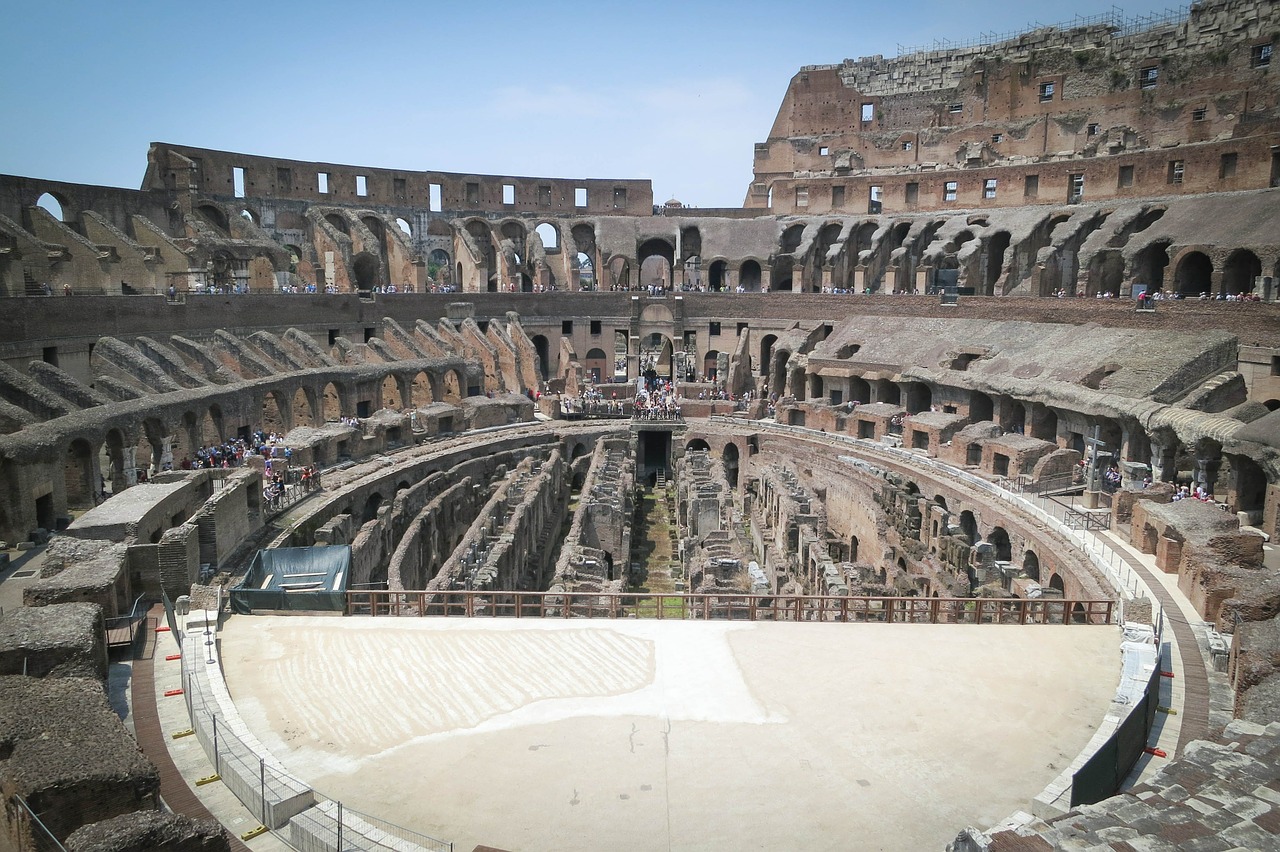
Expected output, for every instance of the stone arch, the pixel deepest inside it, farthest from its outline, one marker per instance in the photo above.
(334, 402)
(656, 351)
(780, 274)
(56, 205)
(716, 275)
(709, 366)
(596, 364)
(420, 390)
(405, 227)
(216, 217)
(302, 409)
(114, 447)
(79, 474)
(250, 216)
(454, 387)
(366, 271)
(969, 526)
(766, 352)
(1193, 274)
(859, 390)
(656, 258)
(550, 236)
(1240, 271)
(543, 347)
(339, 223)
(273, 413)
(981, 408)
(729, 457)
(1106, 273)
(1031, 565)
(853, 548)
(1149, 265)
(620, 272)
(697, 445)
(998, 538)
(919, 397)
(940, 500)
(389, 395)
(371, 506)
(750, 276)
(1056, 584)
(211, 426)
(152, 445)
(778, 383)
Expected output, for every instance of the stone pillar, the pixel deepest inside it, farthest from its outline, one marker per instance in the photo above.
(859, 278)
(1208, 463)
(1164, 465)
(922, 278)
(826, 278)
(797, 278)
(766, 279)
(1215, 282)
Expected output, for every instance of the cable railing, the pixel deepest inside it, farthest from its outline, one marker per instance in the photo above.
(31, 832)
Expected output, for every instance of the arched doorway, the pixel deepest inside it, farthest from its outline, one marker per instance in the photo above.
(656, 257)
(999, 539)
(596, 365)
(749, 276)
(697, 445)
(1240, 271)
(367, 271)
(390, 394)
(1194, 274)
(766, 352)
(543, 348)
(1031, 565)
(332, 403)
(303, 413)
(981, 408)
(716, 275)
(421, 390)
(729, 458)
(272, 417)
(969, 526)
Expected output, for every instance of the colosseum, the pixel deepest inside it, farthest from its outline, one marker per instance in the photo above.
(922, 502)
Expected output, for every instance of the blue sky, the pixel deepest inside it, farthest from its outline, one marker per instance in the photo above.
(672, 91)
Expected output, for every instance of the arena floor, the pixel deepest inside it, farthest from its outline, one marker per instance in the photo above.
(638, 735)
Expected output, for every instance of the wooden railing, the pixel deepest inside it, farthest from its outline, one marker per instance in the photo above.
(730, 607)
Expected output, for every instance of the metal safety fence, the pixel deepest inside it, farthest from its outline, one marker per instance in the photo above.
(730, 607)
(296, 814)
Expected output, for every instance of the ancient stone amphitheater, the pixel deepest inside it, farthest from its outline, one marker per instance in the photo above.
(994, 341)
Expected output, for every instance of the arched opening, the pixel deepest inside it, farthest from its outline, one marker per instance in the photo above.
(779, 383)
(657, 258)
(697, 445)
(1272, 404)
(596, 364)
(709, 366)
(390, 394)
(919, 397)
(338, 223)
(404, 226)
(421, 390)
(620, 272)
(215, 217)
(1056, 584)
(211, 431)
(996, 247)
(1044, 423)
(79, 476)
(969, 526)
(1250, 487)
(1106, 273)
(729, 458)
(371, 507)
(452, 387)
(853, 548)
(749, 276)
(113, 451)
(586, 271)
(366, 269)
(981, 408)
(655, 356)
(859, 390)
(332, 403)
(1031, 565)
(549, 235)
(303, 414)
(940, 500)
(1194, 274)
(999, 539)
(1150, 264)
(249, 216)
(780, 278)
(54, 205)
(766, 352)
(1240, 271)
(715, 276)
(543, 347)
(272, 418)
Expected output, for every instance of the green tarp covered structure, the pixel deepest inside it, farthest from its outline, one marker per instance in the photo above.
(311, 579)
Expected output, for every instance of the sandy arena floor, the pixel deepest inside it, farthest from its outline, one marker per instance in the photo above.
(637, 735)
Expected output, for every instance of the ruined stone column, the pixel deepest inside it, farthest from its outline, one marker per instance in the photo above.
(1208, 463)
(1164, 464)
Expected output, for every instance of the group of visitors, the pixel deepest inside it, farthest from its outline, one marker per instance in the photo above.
(593, 403)
(656, 399)
(1186, 492)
